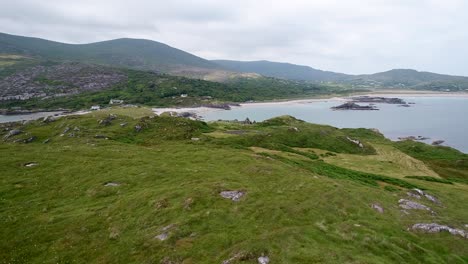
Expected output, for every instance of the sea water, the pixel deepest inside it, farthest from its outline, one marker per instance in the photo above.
(438, 118)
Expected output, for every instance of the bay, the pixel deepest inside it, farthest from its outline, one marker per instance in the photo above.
(435, 117)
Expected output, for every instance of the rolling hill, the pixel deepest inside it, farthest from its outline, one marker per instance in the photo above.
(396, 78)
(129, 53)
(124, 186)
(282, 70)
(408, 78)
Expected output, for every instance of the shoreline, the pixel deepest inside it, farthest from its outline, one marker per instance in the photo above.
(383, 93)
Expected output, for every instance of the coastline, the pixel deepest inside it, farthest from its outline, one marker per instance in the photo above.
(383, 93)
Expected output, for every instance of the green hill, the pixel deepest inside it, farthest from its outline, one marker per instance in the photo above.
(150, 55)
(130, 53)
(397, 78)
(407, 78)
(119, 186)
(77, 86)
(282, 70)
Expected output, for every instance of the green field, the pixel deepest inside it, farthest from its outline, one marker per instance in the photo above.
(309, 192)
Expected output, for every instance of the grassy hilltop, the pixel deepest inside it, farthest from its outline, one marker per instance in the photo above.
(123, 186)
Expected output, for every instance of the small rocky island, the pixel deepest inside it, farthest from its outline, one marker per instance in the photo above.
(378, 100)
(354, 106)
(353, 103)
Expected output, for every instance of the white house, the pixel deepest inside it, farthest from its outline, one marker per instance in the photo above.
(95, 107)
(116, 101)
(183, 95)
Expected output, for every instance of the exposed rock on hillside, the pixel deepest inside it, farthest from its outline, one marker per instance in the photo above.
(12, 133)
(263, 260)
(112, 184)
(417, 193)
(438, 142)
(355, 141)
(233, 195)
(378, 208)
(410, 205)
(436, 228)
(58, 80)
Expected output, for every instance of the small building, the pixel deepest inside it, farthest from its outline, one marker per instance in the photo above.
(95, 107)
(116, 101)
(184, 95)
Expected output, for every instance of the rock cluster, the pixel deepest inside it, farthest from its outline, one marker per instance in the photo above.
(410, 205)
(246, 256)
(58, 80)
(417, 193)
(12, 133)
(354, 106)
(355, 141)
(232, 195)
(436, 228)
(165, 232)
(380, 100)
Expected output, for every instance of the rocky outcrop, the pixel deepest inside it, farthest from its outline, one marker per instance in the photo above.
(263, 260)
(191, 115)
(410, 205)
(244, 257)
(111, 184)
(247, 121)
(438, 142)
(165, 232)
(380, 100)
(436, 228)
(107, 121)
(354, 106)
(378, 208)
(355, 141)
(162, 236)
(58, 80)
(12, 133)
(417, 193)
(413, 138)
(232, 195)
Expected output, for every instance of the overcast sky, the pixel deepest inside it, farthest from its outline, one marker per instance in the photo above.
(351, 36)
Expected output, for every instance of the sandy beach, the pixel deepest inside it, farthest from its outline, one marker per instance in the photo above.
(383, 93)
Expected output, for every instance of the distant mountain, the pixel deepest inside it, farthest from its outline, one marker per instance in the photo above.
(150, 55)
(129, 53)
(408, 78)
(282, 70)
(397, 78)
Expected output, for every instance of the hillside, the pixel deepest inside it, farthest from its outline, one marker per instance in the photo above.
(407, 78)
(140, 54)
(129, 53)
(397, 78)
(123, 186)
(32, 84)
(281, 70)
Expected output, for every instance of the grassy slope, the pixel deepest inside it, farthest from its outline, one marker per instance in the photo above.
(153, 89)
(128, 53)
(296, 209)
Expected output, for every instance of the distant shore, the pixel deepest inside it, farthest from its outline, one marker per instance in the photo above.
(383, 93)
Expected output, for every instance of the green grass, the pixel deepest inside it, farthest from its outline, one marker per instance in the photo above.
(430, 179)
(448, 163)
(157, 89)
(296, 210)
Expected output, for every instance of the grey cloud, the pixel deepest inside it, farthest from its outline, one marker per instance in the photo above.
(348, 36)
